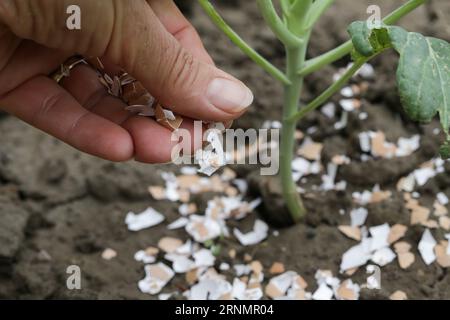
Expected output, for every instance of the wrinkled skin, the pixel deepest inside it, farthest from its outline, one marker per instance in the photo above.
(151, 40)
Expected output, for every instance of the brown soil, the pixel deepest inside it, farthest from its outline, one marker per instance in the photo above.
(73, 206)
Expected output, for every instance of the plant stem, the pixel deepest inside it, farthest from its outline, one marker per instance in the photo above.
(317, 10)
(298, 13)
(276, 24)
(292, 92)
(296, 54)
(241, 44)
(317, 63)
(402, 11)
(327, 94)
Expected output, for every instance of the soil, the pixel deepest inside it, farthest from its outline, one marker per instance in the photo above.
(73, 206)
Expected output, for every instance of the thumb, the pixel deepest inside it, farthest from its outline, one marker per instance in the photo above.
(129, 34)
(171, 73)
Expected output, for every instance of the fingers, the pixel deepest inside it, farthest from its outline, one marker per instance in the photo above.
(130, 34)
(45, 105)
(152, 142)
(178, 26)
(84, 86)
(171, 73)
(48, 23)
(20, 66)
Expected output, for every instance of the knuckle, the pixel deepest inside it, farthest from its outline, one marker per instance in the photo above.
(184, 71)
(7, 10)
(47, 105)
(70, 134)
(47, 22)
(28, 18)
(125, 45)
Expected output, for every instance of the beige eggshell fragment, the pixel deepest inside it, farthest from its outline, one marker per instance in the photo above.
(169, 244)
(351, 232)
(397, 232)
(277, 268)
(398, 295)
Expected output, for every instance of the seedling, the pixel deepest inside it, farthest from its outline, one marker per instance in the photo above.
(423, 73)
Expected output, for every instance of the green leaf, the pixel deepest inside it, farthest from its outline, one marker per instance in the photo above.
(423, 73)
(360, 37)
(423, 76)
(368, 42)
(444, 150)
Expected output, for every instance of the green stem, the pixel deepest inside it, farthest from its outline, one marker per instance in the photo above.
(285, 7)
(327, 94)
(240, 43)
(292, 92)
(276, 24)
(300, 9)
(317, 10)
(317, 63)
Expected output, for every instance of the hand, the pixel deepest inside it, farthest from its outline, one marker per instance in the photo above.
(151, 40)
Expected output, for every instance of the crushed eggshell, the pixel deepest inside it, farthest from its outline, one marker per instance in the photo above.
(213, 157)
(167, 118)
(383, 256)
(203, 228)
(210, 289)
(109, 254)
(348, 291)
(406, 183)
(406, 259)
(439, 209)
(442, 257)
(329, 110)
(398, 295)
(147, 256)
(351, 232)
(397, 232)
(277, 268)
(157, 192)
(180, 263)
(156, 278)
(444, 222)
(402, 247)
(358, 216)
(356, 256)
(426, 247)
(146, 219)
(442, 198)
(279, 285)
(169, 244)
(258, 234)
(419, 214)
(310, 150)
(380, 147)
(350, 105)
(204, 258)
(179, 223)
(186, 209)
(324, 292)
(380, 235)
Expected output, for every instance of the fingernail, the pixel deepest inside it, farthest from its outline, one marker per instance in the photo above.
(228, 95)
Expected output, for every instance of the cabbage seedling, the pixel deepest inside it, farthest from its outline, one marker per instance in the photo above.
(423, 73)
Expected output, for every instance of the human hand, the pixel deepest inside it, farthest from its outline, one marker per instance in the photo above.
(151, 40)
